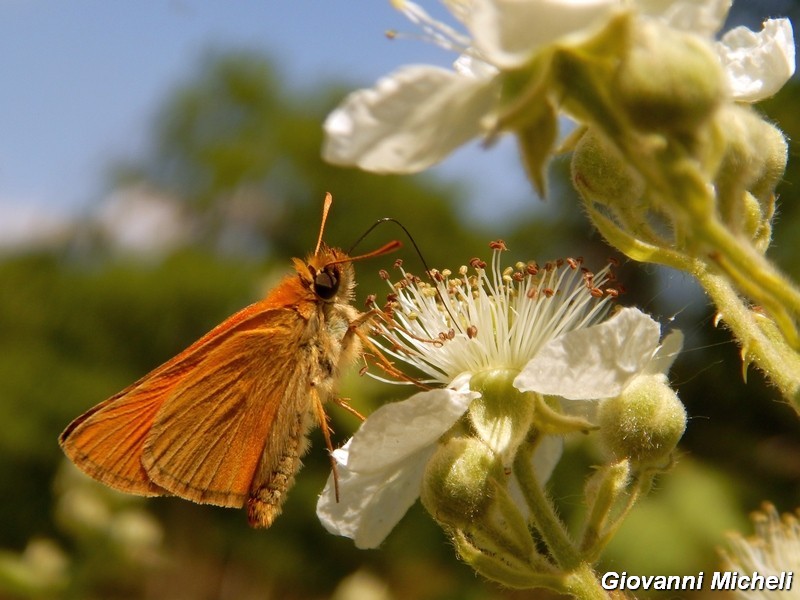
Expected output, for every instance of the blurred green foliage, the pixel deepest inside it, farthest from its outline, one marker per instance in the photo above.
(239, 155)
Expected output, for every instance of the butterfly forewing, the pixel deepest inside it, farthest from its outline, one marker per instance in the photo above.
(107, 441)
(209, 437)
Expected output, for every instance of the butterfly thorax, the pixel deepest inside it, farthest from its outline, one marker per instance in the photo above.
(325, 342)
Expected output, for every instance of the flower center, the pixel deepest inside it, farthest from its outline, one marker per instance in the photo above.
(487, 316)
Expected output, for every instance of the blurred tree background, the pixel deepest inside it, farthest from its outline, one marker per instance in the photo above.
(231, 188)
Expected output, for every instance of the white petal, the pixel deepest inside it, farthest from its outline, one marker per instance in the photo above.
(508, 32)
(758, 64)
(546, 457)
(409, 121)
(469, 66)
(594, 362)
(666, 353)
(371, 505)
(400, 429)
(704, 17)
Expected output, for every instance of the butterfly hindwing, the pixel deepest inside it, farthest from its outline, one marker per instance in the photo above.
(209, 437)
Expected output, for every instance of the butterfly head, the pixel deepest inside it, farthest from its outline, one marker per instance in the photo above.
(328, 273)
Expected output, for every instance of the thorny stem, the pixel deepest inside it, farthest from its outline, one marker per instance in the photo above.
(580, 580)
(771, 354)
(702, 244)
(780, 362)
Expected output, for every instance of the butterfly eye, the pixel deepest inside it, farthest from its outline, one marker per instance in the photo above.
(326, 282)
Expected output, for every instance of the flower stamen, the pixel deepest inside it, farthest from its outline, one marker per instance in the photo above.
(434, 31)
(494, 316)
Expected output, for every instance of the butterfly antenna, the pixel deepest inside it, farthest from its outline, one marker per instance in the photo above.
(326, 207)
(428, 271)
(401, 226)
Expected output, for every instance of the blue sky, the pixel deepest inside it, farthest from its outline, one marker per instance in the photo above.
(81, 79)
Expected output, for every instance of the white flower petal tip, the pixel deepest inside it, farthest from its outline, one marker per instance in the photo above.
(595, 362)
(396, 431)
(666, 354)
(758, 64)
(408, 121)
(704, 18)
(380, 468)
(508, 32)
(370, 505)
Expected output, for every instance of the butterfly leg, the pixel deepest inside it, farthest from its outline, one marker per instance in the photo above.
(384, 363)
(322, 417)
(345, 405)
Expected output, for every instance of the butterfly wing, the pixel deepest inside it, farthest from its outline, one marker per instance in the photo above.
(208, 440)
(107, 442)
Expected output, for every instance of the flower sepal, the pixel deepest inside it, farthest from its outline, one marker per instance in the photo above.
(502, 415)
(752, 162)
(550, 418)
(603, 493)
(583, 73)
(507, 570)
(537, 141)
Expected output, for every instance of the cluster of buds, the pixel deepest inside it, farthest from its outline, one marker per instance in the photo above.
(671, 146)
(672, 164)
(517, 358)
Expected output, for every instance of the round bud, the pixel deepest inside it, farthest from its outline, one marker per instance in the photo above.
(670, 80)
(458, 481)
(752, 163)
(644, 423)
(601, 175)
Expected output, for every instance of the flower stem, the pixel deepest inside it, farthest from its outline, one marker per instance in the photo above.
(640, 488)
(543, 514)
(760, 339)
(769, 352)
(579, 579)
(582, 583)
(604, 492)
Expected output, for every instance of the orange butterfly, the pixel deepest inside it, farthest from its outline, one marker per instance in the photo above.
(225, 422)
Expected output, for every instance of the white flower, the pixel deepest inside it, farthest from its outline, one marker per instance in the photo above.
(522, 319)
(417, 115)
(773, 550)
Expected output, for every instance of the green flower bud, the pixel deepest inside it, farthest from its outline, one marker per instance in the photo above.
(502, 416)
(465, 488)
(754, 224)
(643, 423)
(457, 487)
(670, 80)
(751, 166)
(601, 174)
